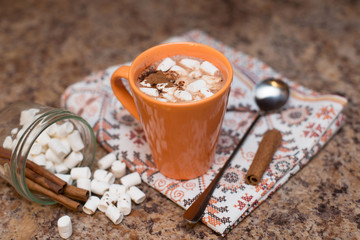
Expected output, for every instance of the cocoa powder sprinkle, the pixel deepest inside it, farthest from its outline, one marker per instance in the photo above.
(161, 77)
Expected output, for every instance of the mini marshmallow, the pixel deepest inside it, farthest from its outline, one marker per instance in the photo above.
(64, 129)
(124, 204)
(80, 172)
(28, 115)
(66, 144)
(61, 168)
(75, 141)
(136, 194)
(52, 130)
(106, 200)
(169, 97)
(104, 176)
(196, 86)
(206, 92)
(161, 86)
(51, 156)
(84, 183)
(73, 159)
(7, 142)
(195, 74)
(14, 143)
(43, 138)
(65, 177)
(178, 70)
(208, 68)
(190, 63)
(118, 168)
(14, 131)
(98, 187)
(131, 179)
(39, 159)
(183, 95)
(150, 91)
(91, 205)
(114, 214)
(106, 161)
(166, 64)
(210, 80)
(58, 148)
(117, 190)
(36, 149)
(65, 226)
(50, 166)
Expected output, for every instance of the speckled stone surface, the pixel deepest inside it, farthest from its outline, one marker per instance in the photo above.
(47, 45)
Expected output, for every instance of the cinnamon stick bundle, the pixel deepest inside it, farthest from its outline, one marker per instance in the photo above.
(270, 142)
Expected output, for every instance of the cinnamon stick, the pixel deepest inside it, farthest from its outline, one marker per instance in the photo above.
(63, 200)
(46, 183)
(269, 144)
(76, 193)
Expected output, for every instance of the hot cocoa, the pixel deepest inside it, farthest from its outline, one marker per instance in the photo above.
(181, 79)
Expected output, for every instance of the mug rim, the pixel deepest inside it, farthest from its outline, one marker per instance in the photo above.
(224, 60)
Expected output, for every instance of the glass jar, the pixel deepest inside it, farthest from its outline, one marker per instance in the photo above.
(26, 135)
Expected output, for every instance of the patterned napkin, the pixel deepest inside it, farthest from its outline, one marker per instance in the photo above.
(307, 122)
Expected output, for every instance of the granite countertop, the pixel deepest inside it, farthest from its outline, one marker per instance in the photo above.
(46, 46)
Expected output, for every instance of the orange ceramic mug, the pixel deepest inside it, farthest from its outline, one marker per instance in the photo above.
(182, 136)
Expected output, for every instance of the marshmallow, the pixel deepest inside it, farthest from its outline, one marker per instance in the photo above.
(114, 214)
(206, 92)
(118, 168)
(39, 159)
(14, 143)
(195, 74)
(43, 138)
(131, 179)
(14, 131)
(124, 203)
(161, 86)
(65, 226)
(145, 84)
(136, 194)
(169, 97)
(104, 176)
(117, 190)
(210, 80)
(150, 91)
(7, 142)
(52, 130)
(50, 166)
(65, 177)
(84, 183)
(80, 172)
(91, 205)
(183, 95)
(36, 149)
(165, 65)
(51, 156)
(98, 187)
(196, 86)
(61, 168)
(106, 200)
(178, 70)
(75, 141)
(58, 148)
(28, 115)
(208, 68)
(64, 129)
(106, 161)
(190, 63)
(73, 159)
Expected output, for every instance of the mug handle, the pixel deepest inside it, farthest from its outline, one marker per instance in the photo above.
(121, 92)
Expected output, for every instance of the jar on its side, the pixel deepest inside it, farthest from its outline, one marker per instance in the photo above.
(24, 136)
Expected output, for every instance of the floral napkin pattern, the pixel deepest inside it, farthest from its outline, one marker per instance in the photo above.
(306, 122)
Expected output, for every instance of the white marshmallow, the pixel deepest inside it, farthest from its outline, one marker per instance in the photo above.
(80, 172)
(210, 80)
(43, 138)
(124, 204)
(64, 129)
(50, 166)
(106, 161)
(58, 148)
(91, 205)
(117, 190)
(14, 131)
(183, 95)
(169, 97)
(114, 214)
(118, 168)
(65, 177)
(145, 84)
(208, 68)
(52, 130)
(98, 187)
(196, 86)
(206, 92)
(75, 141)
(190, 63)
(131, 179)
(64, 227)
(36, 149)
(165, 65)
(7, 142)
(66, 144)
(14, 143)
(73, 159)
(136, 194)
(28, 115)
(51, 156)
(106, 200)
(178, 70)
(104, 176)
(39, 159)
(61, 168)
(150, 91)
(195, 74)
(161, 86)
(84, 183)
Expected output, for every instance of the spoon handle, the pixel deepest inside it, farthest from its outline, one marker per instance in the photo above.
(195, 211)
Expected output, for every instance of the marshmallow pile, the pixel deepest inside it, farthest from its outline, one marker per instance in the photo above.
(196, 79)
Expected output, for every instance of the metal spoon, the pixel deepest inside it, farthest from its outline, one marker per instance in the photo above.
(270, 95)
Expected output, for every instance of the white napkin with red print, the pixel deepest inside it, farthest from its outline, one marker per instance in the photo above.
(307, 122)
